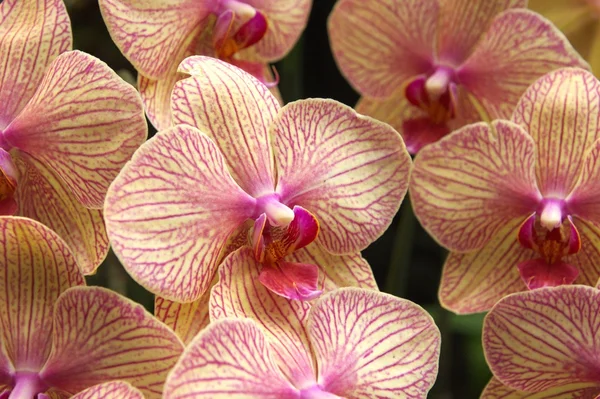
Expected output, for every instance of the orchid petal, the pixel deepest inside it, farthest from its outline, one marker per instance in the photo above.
(239, 294)
(156, 96)
(84, 122)
(348, 170)
(336, 271)
(462, 22)
(287, 19)
(110, 390)
(469, 185)
(235, 110)
(170, 211)
(100, 336)
(378, 58)
(568, 15)
(496, 390)
(535, 340)
(44, 196)
(519, 47)
(32, 34)
(230, 358)
(151, 33)
(296, 281)
(38, 266)
(369, 344)
(473, 282)
(537, 273)
(561, 111)
(584, 200)
(587, 260)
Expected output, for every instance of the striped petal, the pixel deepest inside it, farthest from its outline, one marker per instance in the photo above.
(233, 109)
(100, 336)
(469, 185)
(37, 267)
(462, 22)
(287, 19)
(474, 281)
(561, 111)
(170, 211)
(519, 47)
(378, 58)
(42, 195)
(152, 32)
(110, 390)
(369, 344)
(584, 200)
(239, 294)
(348, 170)
(32, 34)
(544, 338)
(496, 390)
(231, 358)
(587, 260)
(84, 122)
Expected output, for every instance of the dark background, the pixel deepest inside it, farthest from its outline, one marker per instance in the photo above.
(406, 262)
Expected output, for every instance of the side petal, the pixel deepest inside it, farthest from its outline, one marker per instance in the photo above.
(462, 22)
(518, 48)
(348, 170)
(37, 267)
(474, 281)
(230, 358)
(467, 186)
(287, 20)
(32, 34)
(370, 344)
(84, 122)
(43, 196)
(587, 260)
(110, 390)
(170, 211)
(378, 58)
(584, 200)
(235, 110)
(150, 33)
(544, 338)
(561, 111)
(239, 294)
(100, 336)
(496, 390)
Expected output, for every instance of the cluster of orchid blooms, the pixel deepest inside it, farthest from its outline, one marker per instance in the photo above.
(246, 217)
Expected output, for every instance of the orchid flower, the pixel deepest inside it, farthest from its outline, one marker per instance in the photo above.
(313, 170)
(110, 390)
(58, 336)
(157, 35)
(517, 201)
(578, 20)
(67, 125)
(352, 343)
(544, 344)
(428, 67)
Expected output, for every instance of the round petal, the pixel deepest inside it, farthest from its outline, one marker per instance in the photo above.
(100, 336)
(378, 58)
(467, 186)
(235, 110)
(84, 122)
(369, 344)
(110, 390)
(32, 34)
(348, 170)
(170, 211)
(544, 338)
(561, 111)
(37, 267)
(518, 48)
(587, 260)
(239, 294)
(231, 358)
(496, 390)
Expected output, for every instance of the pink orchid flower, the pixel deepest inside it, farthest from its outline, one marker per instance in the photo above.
(517, 201)
(68, 124)
(428, 67)
(157, 35)
(59, 337)
(311, 171)
(110, 390)
(352, 343)
(544, 344)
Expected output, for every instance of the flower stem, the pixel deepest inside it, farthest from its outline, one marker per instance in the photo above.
(396, 279)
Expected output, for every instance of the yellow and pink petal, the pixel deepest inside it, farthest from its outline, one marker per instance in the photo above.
(110, 390)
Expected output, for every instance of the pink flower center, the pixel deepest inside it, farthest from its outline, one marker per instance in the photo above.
(434, 94)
